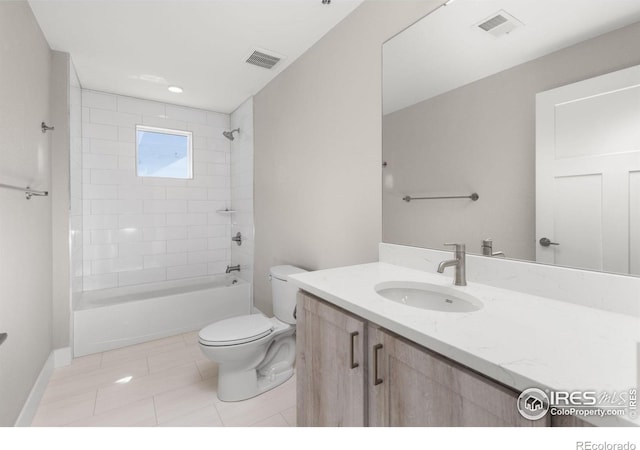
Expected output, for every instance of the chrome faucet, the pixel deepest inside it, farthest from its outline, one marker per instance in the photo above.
(460, 278)
(232, 268)
(487, 249)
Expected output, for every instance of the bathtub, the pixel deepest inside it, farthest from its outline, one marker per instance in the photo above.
(112, 318)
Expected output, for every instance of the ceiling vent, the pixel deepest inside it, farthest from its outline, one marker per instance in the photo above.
(263, 59)
(499, 24)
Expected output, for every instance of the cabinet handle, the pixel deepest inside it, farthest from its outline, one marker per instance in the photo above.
(353, 338)
(376, 379)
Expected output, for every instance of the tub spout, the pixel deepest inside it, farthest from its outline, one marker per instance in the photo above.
(233, 268)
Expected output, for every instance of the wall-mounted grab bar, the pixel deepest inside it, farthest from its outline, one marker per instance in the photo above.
(28, 192)
(473, 197)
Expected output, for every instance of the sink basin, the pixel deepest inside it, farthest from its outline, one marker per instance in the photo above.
(428, 296)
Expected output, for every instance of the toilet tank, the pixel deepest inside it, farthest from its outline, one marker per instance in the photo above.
(283, 293)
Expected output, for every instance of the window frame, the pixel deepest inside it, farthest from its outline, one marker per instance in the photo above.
(160, 130)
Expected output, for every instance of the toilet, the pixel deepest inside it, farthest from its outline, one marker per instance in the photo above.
(255, 353)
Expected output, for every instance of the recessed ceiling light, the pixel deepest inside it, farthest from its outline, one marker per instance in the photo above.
(175, 89)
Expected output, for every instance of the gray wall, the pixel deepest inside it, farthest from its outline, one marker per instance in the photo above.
(318, 148)
(25, 226)
(481, 137)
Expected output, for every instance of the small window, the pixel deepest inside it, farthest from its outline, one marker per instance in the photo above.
(163, 153)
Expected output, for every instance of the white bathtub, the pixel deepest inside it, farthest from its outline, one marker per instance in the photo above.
(112, 318)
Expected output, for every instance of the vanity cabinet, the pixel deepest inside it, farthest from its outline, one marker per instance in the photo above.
(330, 365)
(395, 383)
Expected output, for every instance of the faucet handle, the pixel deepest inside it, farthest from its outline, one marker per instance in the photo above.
(459, 247)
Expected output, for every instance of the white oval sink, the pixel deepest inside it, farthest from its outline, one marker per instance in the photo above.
(428, 296)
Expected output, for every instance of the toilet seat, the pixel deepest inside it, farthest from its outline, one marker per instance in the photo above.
(236, 330)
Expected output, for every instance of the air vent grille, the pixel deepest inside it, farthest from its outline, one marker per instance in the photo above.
(261, 59)
(493, 22)
(499, 24)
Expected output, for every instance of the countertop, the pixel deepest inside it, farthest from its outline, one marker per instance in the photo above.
(517, 339)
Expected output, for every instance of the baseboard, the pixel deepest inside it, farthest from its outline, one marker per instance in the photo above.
(62, 357)
(35, 396)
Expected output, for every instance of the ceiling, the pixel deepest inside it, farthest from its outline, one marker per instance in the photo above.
(140, 47)
(446, 49)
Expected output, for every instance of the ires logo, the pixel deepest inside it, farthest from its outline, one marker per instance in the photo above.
(534, 403)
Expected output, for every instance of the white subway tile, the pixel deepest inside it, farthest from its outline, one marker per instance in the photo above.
(142, 248)
(164, 233)
(205, 206)
(197, 270)
(115, 118)
(186, 219)
(116, 206)
(165, 260)
(116, 236)
(141, 220)
(103, 221)
(85, 114)
(100, 100)
(203, 130)
(99, 161)
(86, 268)
(141, 276)
(220, 231)
(142, 107)
(160, 122)
(186, 245)
(216, 218)
(200, 144)
(120, 264)
(100, 176)
(219, 144)
(218, 194)
(127, 163)
(141, 192)
(186, 193)
(165, 206)
(208, 156)
(95, 191)
(127, 134)
(206, 256)
(195, 116)
(217, 267)
(98, 131)
(201, 231)
(166, 182)
(93, 252)
(217, 169)
(93, 282)
(215, 243)
(113, 148)
(218, 120)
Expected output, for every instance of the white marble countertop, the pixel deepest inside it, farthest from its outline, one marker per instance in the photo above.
(518, 339)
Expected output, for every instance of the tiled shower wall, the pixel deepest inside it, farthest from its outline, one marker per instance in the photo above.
(242, 188)
(138, 230)
(75, 179)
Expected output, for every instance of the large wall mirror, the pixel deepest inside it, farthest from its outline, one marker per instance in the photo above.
(532, 105)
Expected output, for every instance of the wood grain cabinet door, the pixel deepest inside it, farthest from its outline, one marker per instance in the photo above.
(411, 386)
(330, 365)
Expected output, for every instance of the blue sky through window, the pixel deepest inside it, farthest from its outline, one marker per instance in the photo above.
(163, 154)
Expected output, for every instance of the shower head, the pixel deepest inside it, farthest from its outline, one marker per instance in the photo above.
(229, 134)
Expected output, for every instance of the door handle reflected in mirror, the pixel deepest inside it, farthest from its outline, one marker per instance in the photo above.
(545, 242)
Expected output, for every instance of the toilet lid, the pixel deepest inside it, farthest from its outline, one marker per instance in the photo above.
(236, 330)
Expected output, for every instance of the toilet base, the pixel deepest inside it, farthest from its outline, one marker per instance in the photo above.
(277, 367)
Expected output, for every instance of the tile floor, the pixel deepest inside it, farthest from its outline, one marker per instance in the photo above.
(167, 382)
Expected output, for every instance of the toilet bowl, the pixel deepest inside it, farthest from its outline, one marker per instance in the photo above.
(255, 353)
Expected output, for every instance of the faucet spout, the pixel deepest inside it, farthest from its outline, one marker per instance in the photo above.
(445, 264)
(459, 263)
(233, 268)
